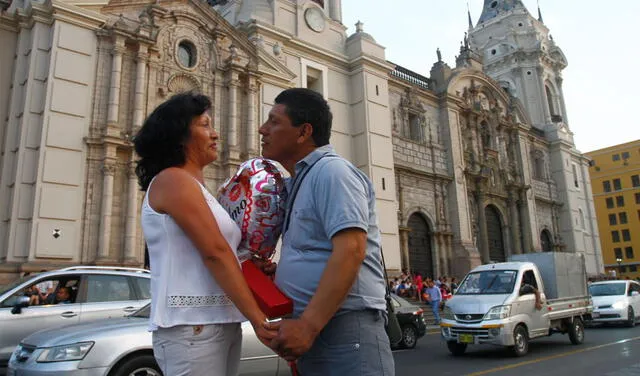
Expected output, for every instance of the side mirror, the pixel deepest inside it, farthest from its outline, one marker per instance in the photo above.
(21, 302)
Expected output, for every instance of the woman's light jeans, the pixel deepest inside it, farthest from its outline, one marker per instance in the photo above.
(198, 350)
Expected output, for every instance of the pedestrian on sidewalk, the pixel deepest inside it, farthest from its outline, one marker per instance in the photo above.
(433, 298)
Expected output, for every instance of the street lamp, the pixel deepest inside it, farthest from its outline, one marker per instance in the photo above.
(619, 260)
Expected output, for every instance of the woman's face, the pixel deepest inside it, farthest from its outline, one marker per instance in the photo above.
(201, 146)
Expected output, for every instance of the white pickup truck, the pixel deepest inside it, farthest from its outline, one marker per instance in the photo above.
(494, 306)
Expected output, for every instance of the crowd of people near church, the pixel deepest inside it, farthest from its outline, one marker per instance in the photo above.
(433, 292)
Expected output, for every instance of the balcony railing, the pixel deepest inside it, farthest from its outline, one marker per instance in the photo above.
(411, 77)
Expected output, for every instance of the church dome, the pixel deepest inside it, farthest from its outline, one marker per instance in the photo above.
(361, 34)
(493, 8)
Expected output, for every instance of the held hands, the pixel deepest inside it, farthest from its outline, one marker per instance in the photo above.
(267, 266)
(295, 337)
(265, 331)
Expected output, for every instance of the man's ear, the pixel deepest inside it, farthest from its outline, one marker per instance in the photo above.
(306, 131)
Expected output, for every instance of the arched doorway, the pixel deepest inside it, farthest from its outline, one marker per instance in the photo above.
(545, 241)
(494, 234)
(420, 253)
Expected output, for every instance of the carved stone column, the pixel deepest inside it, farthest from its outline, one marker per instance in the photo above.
(104, 236)
(335, 10)
(132, 184)
(404, 247)
(515, 223)
(114, 86)
(483, 241)
(524, 222)
(132, 216)
(252, 126)
(233, 123)
(138, 98)
(439, 255)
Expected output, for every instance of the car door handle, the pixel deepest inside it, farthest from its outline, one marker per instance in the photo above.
(129, 309)
(68, 314)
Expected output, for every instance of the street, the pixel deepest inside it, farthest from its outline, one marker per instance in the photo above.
(611, 351)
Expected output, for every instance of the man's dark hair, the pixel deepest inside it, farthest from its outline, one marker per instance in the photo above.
(307, 106)
(160, 141)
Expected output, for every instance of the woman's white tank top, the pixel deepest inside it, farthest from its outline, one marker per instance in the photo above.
(183, 292)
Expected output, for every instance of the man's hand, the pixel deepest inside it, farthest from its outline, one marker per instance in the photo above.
(295, 337)
(538, 305)
(267, 266)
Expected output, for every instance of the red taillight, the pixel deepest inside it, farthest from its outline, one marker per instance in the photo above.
(418, 312)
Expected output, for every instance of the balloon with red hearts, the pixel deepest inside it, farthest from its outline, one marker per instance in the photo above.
(254, 199)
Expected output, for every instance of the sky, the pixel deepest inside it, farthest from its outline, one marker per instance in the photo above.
(595, 36)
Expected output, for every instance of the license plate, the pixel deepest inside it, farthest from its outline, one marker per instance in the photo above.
(465, 338)
(595, 315)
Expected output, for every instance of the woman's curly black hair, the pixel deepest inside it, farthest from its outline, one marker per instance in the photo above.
(160, 141)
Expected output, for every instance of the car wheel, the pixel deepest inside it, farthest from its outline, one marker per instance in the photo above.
(141, 365)
(521, 341)
(631, 318)
(409, 337)
(456, 349)
(576, 331)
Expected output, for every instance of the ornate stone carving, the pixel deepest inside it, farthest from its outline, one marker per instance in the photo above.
(180, 83)
(108, 168)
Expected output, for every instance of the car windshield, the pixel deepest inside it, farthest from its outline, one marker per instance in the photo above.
(488, 282)
(608, 289)
(143, 312)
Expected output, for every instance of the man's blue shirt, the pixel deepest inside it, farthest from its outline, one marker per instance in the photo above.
(334, 195)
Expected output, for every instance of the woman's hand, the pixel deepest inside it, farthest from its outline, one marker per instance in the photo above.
(268, 267)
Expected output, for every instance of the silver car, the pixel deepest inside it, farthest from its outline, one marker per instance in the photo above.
(36, 303)
(118, 347)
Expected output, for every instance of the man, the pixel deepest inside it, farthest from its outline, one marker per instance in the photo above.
(434, 297)
(63, 295)
(527, 288)
(330, 263)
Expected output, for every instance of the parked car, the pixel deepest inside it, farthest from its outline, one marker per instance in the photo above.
(93, 293)
(615, 302)
(411, 321)
(119, 347)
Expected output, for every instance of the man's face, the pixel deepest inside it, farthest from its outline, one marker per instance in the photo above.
(62, 294)
(279, 136)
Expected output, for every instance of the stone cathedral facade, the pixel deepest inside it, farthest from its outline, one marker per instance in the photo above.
(471, 164)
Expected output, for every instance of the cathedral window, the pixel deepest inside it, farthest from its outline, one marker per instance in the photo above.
(574, 169)
(314, 77)
(187, 54)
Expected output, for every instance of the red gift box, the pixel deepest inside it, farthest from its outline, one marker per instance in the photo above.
(270, 299)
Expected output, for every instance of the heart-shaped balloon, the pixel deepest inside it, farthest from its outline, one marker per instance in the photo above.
(254, 198)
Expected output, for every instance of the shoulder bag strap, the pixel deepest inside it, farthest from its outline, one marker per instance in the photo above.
(297, 182)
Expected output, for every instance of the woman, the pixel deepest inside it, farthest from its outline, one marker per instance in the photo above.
(198, 293)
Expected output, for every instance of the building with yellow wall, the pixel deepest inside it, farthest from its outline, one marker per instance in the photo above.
(615, 179)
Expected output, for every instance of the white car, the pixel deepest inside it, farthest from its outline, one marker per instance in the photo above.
(615, 302)
(119, 347)
(95, 292)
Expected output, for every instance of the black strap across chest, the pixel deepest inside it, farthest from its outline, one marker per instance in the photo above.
(297, 182)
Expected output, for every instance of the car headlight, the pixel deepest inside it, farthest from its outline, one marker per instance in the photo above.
(619, 305)
(447, 313)
(65, 353)
(498, 312)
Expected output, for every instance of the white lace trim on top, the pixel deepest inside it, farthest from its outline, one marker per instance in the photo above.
(198, 301)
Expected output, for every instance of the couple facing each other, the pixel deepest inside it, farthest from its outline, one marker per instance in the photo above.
(330, 262)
